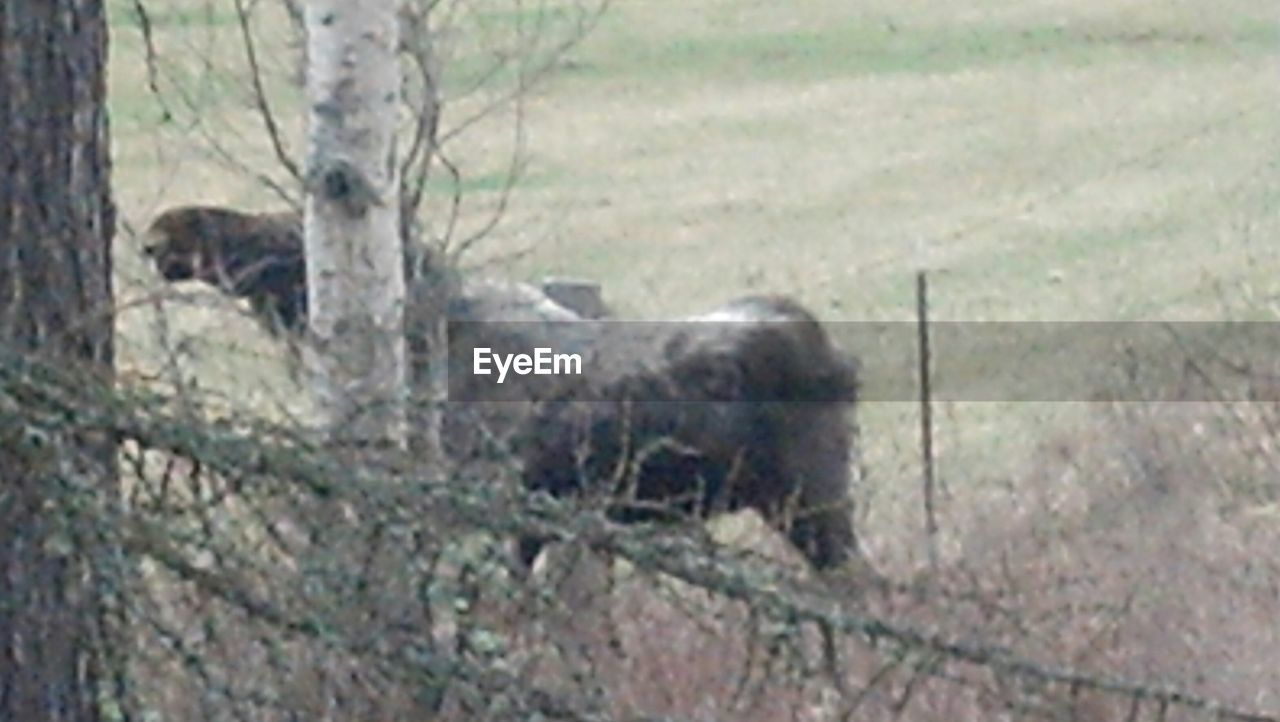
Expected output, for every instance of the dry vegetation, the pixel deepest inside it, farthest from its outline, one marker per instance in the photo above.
(1046, 160)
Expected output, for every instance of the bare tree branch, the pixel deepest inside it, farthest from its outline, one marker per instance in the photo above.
(261, 102)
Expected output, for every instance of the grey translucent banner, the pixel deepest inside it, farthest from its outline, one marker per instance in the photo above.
(969, 361)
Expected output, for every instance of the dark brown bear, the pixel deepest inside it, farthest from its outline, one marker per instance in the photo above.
(257, 256)
(746, 407)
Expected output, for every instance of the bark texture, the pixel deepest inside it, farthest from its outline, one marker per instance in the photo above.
(355, 270)
(56, 224)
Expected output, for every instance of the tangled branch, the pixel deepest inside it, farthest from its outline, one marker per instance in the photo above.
(49, 403)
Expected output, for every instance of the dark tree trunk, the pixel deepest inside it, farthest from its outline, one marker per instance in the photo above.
(56, 224)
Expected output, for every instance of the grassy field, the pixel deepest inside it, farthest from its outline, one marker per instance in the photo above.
(1046, 160)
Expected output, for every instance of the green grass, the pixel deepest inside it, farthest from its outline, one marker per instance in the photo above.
(505, 19)
(869, 46)
(494, 182)
(172, 16)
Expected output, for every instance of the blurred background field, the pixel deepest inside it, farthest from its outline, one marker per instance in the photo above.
(1049, 160)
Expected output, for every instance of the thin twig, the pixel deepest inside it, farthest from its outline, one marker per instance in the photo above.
(261, 102)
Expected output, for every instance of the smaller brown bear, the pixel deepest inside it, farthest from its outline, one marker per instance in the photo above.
(261, 257)
(258, 256)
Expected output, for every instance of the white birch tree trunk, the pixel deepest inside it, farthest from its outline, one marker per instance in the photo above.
(355, 267)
